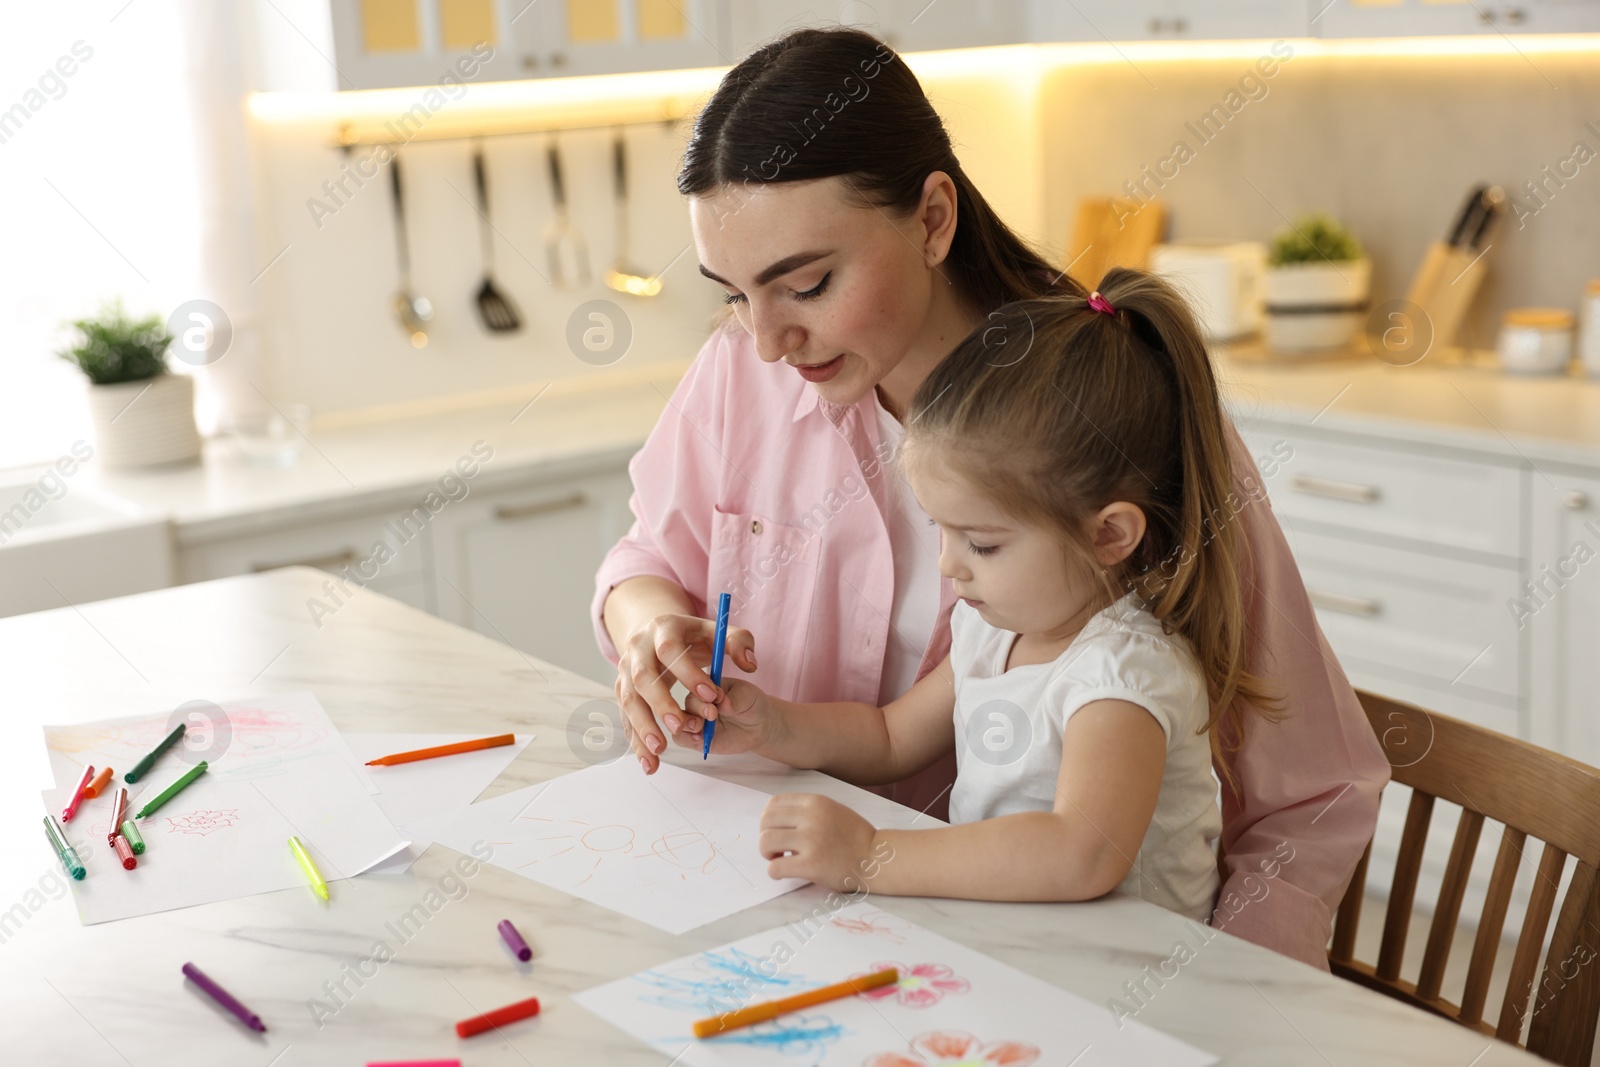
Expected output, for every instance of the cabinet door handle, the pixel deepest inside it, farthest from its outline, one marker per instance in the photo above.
(1348, 605)
(1352, 491)
(574, 499)
(1577, 500)
(321, 563)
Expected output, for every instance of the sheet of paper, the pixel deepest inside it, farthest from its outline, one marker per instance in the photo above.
(225, 837)
(675, 849)
(245, 739)
(411, 792)
(952, 1004)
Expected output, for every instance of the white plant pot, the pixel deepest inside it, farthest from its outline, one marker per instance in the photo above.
(144, 423)
(1315, 306)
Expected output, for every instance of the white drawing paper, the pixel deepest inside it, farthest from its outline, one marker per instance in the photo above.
(412, 792)
(256, 738)
(225, 837)
(952, 1005)
(676, 849)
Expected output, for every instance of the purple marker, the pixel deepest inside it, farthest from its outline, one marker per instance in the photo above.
(223, 997)
(514, 939)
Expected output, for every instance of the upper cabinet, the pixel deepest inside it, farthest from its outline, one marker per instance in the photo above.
(391, 43)
(1169, 20)
(1428, 18)
(420, 42)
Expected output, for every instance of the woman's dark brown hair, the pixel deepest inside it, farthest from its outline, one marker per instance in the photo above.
(826, 103)
(1056, 409)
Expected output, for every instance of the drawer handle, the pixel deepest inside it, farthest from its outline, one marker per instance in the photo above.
(574, 499)
(1348, 605)
(1352, 491)
(1577, 500)
(321, 563)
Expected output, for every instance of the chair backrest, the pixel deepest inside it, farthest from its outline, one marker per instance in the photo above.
(1537, 794)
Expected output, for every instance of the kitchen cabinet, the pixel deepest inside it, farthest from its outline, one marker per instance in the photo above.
(1157, 20)
(381, 44)
(1560, 607)
(518, 564)
(571, 37)
(1426, 18)
(392, 43)
(346, 548)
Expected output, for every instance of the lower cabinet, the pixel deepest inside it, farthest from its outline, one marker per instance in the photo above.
(515, 562)
(518, 565)
(1559, 605)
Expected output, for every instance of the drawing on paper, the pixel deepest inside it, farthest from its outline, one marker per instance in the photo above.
(684, 848)
(720, 980)
(869, 923)
(956, 1048)
(203, 821)
(793, 1035)
(921, 986)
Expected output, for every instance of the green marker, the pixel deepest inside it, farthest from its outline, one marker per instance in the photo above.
(58, 841)
(172, 790)
(135, 842)
(144, 765)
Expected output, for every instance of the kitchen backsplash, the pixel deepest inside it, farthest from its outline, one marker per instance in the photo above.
(1390, 144)
(1231, 145)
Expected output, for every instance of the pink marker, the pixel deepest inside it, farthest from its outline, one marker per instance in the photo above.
(77, 795)
(514, 939)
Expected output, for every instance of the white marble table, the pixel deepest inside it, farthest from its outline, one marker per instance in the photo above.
(112, 994)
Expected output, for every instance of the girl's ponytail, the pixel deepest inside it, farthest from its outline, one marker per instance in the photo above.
(1198, 588)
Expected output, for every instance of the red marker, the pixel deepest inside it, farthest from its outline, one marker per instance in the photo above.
(522, 1009)
(119, 812)
(77, 795)
(125, 853)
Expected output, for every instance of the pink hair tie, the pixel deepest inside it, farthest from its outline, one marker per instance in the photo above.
(1099, 303)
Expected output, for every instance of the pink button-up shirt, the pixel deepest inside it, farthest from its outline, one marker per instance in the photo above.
(752, 484)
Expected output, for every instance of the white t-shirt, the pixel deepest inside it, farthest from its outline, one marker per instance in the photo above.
(914, 542)
(1009, 726)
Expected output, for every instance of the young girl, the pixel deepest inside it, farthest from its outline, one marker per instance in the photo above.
(1073, 456)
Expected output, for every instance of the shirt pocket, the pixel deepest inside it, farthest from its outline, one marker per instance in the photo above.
(770, 568)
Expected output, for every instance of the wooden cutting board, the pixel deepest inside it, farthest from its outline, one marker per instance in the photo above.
(1110, 232)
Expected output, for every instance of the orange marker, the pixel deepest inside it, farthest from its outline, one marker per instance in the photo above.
(760, 1013)
(443, 750)
(99, 783)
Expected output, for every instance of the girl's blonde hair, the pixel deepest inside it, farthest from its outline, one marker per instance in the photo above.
(1057, 409)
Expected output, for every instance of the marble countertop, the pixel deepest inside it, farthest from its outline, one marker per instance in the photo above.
(112, 994)
(1450, 400)
(390, 459)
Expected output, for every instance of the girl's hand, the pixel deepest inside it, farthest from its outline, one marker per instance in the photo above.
(669, 649)
(804, 835)
(747, 720)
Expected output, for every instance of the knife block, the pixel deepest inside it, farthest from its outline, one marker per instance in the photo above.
(1445, 285)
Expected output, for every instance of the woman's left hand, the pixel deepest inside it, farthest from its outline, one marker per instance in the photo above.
(804, 835)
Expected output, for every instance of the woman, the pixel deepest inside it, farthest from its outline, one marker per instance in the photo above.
(826, 200)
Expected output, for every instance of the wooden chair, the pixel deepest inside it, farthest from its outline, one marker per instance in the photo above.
(1537, 794)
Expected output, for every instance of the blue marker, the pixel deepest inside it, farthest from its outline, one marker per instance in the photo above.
(717, 646)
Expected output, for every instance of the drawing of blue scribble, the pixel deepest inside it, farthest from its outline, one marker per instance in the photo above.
(735, 978)
(792, 1035)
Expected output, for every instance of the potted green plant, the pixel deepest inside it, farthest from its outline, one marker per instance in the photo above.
(1316, 286)
(143, 415)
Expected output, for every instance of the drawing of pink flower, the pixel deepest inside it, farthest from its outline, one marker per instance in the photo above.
(921, 986)
(956, 1048)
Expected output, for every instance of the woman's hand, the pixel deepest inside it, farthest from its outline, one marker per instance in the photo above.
(804, 835)
(747, 720)
(669, 649)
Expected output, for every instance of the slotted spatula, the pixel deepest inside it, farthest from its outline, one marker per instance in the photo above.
(495, 310)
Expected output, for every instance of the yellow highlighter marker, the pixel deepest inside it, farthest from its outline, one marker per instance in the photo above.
(304, 859)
